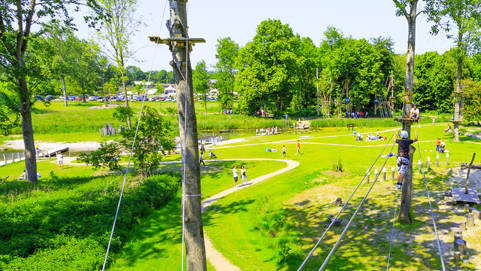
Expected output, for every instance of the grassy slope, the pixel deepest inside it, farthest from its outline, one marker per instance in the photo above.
(253, 250)
(156, 241)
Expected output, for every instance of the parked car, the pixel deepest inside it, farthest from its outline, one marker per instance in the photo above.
(78, 98)
(168, 99)
(71, 98)
(39, 97)
(93, 98)
(120, 98)
(143, 98)
(60, 97)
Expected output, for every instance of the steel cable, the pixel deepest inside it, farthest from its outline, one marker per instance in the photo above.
(131, 151)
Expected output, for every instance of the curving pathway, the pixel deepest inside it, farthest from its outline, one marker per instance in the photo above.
(213, 255)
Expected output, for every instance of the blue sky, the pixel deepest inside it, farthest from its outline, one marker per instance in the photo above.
(212, 19)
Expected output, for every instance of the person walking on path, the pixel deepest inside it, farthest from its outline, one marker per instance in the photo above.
(403, 155)
(201, 158)
(243, 175)
(36, 147)
(298, 148)
(438, 143)
(284, 151)
(202, 149)
(235, 176)
(60, 160)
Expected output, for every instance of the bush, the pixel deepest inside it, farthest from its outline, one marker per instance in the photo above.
(65, 223)
(105, 156)
(337, 167)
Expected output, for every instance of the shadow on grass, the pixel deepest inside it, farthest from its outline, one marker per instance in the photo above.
(366, 244)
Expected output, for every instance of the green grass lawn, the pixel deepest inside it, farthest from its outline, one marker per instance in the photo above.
(156, 241)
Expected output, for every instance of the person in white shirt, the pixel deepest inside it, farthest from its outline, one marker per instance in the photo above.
(243, 175)
(284, 151)
(235, 176)
(415, 115)
(60, 160)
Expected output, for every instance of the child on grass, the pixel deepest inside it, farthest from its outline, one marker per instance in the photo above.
(284, 151)
(403, 155)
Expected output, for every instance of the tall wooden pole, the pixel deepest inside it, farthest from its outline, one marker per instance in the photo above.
(406, 121)
(193, 229)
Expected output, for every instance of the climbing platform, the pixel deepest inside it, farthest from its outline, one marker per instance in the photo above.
(460, 196)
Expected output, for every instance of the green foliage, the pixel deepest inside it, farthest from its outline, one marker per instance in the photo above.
(201, 81)
(154, 137)
(227, 52)
(106, 156)
(65, 222)
(472, 102)
(337, 167)
(122, 112)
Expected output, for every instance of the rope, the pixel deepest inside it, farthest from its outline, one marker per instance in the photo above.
(392, 230)
(130, 158)
(185, 135)
(432, 213)
(352, 218)
(343, 207)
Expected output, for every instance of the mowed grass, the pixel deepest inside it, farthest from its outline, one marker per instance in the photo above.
(252, 248)
(156, 241)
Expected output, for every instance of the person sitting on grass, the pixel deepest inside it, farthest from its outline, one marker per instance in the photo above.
(24, 175)
(403, 155)
(448, 130)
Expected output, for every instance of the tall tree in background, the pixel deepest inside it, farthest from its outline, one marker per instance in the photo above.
(60, 40)
(88, 67)
(227, 51)
(201, 81)
(17, 19)
(411, 17)
(307, 63)
(118, 31)
(268, 67)
(463, 16)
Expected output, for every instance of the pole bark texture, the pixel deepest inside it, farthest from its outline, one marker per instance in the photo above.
(194, 232)
(27, 132)
(406, 190)
(64, 89)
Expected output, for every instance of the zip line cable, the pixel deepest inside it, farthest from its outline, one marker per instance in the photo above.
(353, 216)
(343, 207)
(392, 229)
(130, 157)
(432, 213)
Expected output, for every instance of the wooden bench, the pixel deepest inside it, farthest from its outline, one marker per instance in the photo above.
(350, 126)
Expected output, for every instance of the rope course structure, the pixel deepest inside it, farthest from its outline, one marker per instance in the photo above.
(344, 206)
(130, 156)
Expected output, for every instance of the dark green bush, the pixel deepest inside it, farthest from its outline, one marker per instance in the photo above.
(105, 156)
(67, 221)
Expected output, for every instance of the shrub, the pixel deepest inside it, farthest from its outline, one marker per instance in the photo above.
(105, 156)
(337, 167)
(65, 223)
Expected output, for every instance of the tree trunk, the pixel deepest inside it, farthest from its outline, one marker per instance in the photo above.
(110, 97)
(194, 231)
(129, 125)
(406, 190)
(83, 98)
(459, 75)
(409, 83)
(27, 132)
(64, 89)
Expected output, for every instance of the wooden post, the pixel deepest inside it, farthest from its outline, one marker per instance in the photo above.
(393, 173)
(406, 189)
(466, 191)
(437, 160)
(447, 159)
(420, 164)
(384, 174)
(193, 226)
(428, 164)
(368, 175)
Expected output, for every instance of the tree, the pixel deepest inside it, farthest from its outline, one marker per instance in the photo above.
(191, 200)
(18, 30)
(267, 67)
(227, 51)
(88, 68)
(472, 106)
(119, 29)
(411, 17)
(150, 143)
(463, 16)
(201, 81)
(160, 89)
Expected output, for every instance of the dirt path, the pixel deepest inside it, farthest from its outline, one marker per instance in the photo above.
(213, 255)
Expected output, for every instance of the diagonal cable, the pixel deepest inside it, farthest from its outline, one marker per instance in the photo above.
(130, 158)
(343, 207)
(432, 213)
